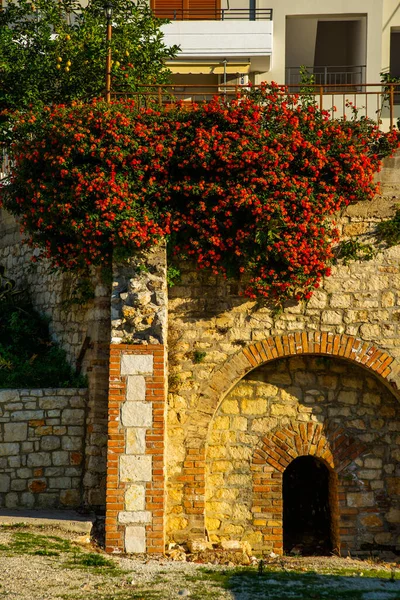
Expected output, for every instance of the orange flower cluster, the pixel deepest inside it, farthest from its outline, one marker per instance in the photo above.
(246, 186)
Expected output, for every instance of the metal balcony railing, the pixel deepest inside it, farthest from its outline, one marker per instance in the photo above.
(217, 14)
(375, 101)
(323, 75)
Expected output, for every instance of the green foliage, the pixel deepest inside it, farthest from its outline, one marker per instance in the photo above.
(81, 291)
(307, 89)
(173, 275)
(7, 286)
(28, 357)
(389, 231)
(54, 51)
(353, 249)
(199, 356)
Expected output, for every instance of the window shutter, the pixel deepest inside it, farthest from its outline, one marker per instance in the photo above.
(187, 9)
(165, 9)
(204, 9)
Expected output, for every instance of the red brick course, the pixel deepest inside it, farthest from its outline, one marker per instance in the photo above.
(155, 496)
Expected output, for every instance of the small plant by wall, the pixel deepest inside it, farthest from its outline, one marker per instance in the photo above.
(389, 231)
(353, 249)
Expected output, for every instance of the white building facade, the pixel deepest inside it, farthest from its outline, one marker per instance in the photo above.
(340, 42)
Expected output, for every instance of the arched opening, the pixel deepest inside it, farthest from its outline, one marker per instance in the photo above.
(307, 515)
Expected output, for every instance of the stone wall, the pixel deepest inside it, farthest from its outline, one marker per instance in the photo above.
(211, 324)
(319, 397)
(42, 435)
(49, 291)
(83, 331)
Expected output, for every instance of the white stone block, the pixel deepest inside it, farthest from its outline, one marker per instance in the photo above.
(135, 540)
(138, 516)
(137, 414)
(134, 497)
(135, 468)
(135, 440)
(9, 395)
(141, 364)
(136, 388)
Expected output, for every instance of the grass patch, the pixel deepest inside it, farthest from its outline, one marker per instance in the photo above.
(41, 545)
(95, 563)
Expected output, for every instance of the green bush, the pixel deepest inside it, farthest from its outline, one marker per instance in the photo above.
(28, 357)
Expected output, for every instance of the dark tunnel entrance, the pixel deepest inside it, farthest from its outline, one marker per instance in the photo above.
(306, 510)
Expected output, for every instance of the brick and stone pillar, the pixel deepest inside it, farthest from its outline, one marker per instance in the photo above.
(136, 453)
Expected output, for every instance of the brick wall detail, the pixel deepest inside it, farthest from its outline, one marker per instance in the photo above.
(191, 480)
(135, 479)
(274, 454)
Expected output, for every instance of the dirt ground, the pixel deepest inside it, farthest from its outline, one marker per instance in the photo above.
(48, 564)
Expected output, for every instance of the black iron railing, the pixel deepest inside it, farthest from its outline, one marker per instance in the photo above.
(324, 75)
(217, 14)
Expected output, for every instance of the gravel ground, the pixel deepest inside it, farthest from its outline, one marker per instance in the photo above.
(59, 575)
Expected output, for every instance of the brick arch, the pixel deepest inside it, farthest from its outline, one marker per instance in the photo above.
(364, 354)
(335, 448)
(273, 455)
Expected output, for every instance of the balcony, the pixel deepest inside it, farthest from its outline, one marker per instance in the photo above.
(335, 77)
(221, 33)
(216, 14)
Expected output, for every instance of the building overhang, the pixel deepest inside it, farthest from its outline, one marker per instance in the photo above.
(219, 39)
(208, 68)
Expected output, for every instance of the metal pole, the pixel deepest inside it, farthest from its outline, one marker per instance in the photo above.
(108, 61)
(225, 61)
(391, 105)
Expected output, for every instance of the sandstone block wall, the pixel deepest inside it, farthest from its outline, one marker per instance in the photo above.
(42, 435)
(211, 325)
(310, 396)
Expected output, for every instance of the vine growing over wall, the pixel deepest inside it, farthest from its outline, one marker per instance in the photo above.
(245, 187)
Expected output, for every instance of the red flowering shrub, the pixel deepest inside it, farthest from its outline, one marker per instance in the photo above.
(246, 186)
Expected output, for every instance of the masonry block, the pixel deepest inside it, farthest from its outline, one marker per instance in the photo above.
(135, 468)
(132, 364)
(135, 498)
(136, 414)
(135, 440)
(135, 539)
(135, 388)
(143, 516)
